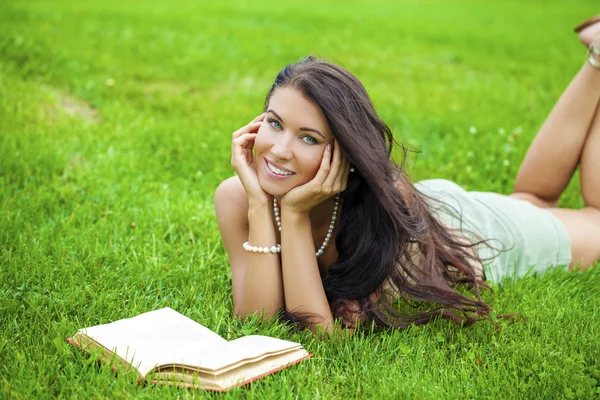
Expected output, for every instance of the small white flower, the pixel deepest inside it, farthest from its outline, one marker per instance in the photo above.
(506, 163)
(518, 130)
(110, 82)
(501, 131)
(473, 130)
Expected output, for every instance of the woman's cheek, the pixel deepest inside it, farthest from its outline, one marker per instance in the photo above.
(314, 165)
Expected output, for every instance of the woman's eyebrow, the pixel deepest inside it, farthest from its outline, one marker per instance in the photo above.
(312, 130)
(303, 128)
(274, 113)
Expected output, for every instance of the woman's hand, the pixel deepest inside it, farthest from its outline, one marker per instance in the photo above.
(331, 178)
(242, 159)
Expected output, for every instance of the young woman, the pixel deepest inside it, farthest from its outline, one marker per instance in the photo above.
(321, 224)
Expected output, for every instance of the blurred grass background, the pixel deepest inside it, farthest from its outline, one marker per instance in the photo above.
(115, 122)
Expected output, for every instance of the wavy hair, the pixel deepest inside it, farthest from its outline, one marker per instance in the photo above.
(393, 252)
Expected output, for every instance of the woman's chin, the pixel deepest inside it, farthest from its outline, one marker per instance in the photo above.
(273, 189)
(277, 192)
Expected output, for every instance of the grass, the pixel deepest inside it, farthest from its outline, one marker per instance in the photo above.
(115, 121)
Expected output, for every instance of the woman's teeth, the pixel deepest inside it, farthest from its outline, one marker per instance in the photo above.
(277, 170)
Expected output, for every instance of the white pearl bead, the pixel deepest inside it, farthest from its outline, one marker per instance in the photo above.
(258, 249)
(329, 232)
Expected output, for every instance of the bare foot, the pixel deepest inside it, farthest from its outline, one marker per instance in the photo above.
(589, 30)
(594, 52)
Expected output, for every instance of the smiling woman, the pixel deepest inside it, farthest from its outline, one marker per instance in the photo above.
(290, 143)
(321, 223)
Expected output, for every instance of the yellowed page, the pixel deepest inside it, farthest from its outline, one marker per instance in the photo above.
(154, 338)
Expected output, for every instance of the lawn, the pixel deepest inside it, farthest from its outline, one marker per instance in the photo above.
(115, 127)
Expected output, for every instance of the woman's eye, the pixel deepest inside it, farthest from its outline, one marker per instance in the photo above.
(275, 124)
(309, 139)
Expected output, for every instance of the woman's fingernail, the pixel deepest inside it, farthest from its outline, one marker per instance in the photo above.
(329, 147)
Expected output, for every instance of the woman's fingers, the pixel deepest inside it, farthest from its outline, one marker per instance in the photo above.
(331, 178)
(342, 170)
(345, 175)
(333, 183)
(324, 168)
(251, 127)
(333, 171)
(244, 142)
(341, 179)
(242, 159)
(241, 149)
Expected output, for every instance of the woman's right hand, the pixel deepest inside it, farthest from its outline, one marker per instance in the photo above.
(242, 159)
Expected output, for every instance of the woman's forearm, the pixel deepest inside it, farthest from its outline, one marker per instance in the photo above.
(302, 283)
(262, 284)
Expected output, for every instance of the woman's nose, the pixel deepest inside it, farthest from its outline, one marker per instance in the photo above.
(282, 148)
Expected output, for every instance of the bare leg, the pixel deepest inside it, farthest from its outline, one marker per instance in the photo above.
(583, 225)
(553, 157)
(589, 164)
(557, 148)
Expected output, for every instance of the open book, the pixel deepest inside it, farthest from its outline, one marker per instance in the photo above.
(168, 348)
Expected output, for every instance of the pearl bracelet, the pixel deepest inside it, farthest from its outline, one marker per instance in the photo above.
(256, 249)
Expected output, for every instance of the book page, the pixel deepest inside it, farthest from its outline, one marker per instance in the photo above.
(155, 337)
(245, 348)
(244, 374)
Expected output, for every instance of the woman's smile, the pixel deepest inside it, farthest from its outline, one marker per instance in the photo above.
(277, 172)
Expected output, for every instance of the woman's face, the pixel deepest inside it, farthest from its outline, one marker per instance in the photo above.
(290, 142)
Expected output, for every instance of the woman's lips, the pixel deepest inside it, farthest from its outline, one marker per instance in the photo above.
(276, 175)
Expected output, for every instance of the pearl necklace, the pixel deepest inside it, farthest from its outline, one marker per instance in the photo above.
(331, 225)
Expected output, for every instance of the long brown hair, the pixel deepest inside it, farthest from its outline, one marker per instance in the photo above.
(389, 242)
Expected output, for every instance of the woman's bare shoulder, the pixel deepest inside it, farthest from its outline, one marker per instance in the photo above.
(230, 199)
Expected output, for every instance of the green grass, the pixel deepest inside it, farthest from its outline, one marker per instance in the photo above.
(115, 121)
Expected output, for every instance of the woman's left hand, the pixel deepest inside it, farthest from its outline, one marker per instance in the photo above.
(331, 178)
